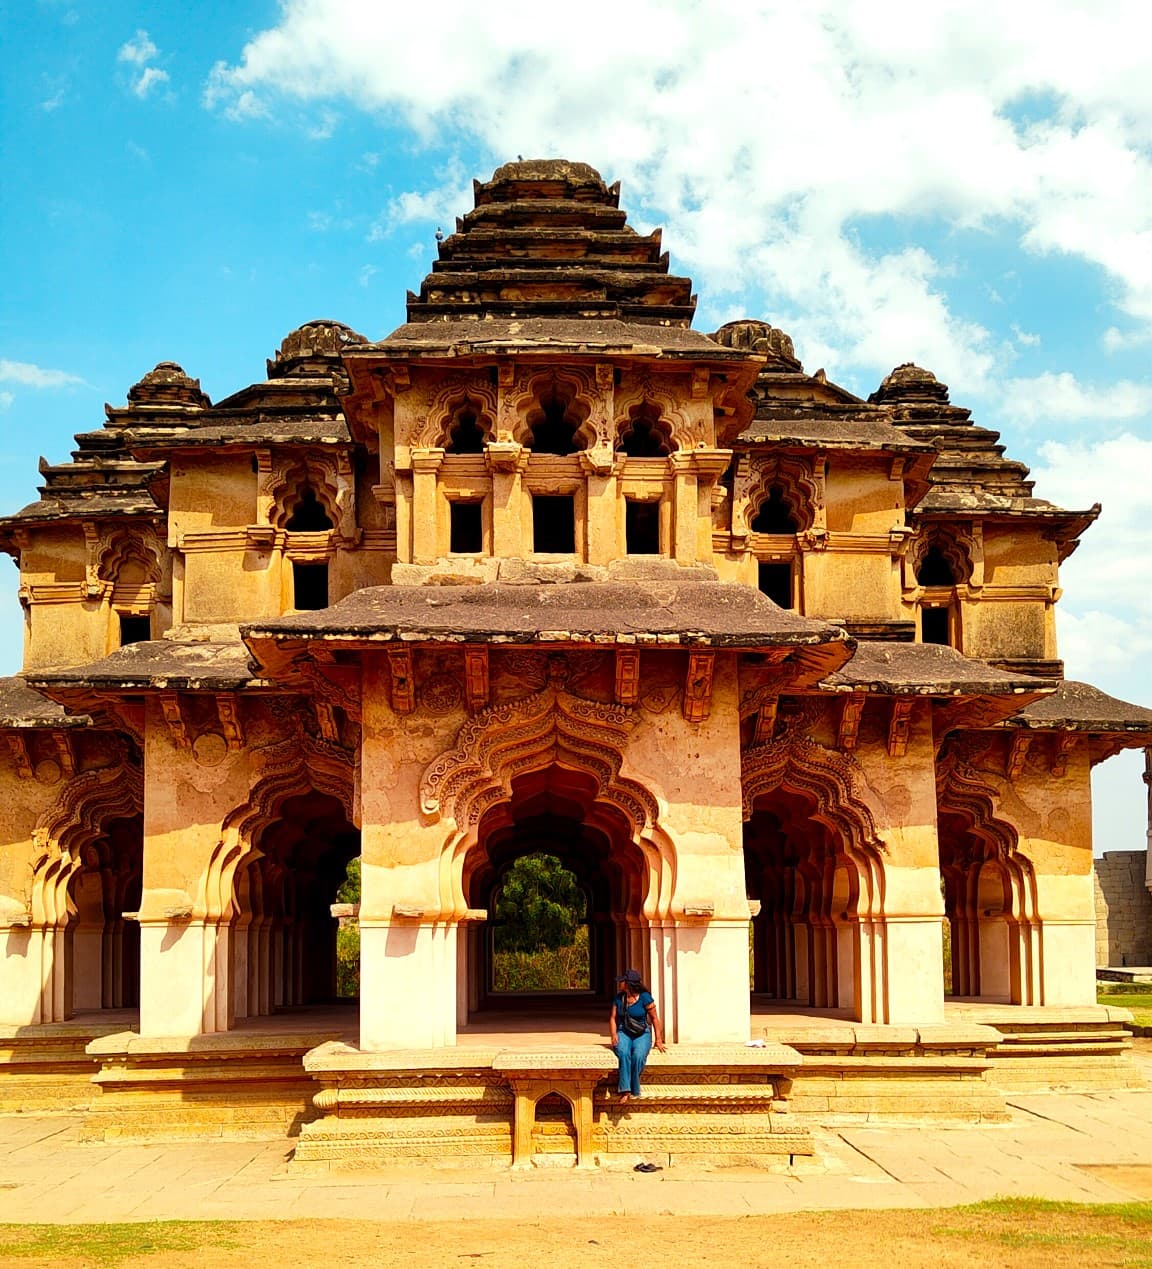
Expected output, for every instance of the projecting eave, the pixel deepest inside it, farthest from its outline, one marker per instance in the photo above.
(1080, 707)
(676, 614)
(966, 692)
(21, 708)
(160, 665)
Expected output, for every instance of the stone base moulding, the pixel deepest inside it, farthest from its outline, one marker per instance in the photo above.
(230, 1085)
(721, 1103)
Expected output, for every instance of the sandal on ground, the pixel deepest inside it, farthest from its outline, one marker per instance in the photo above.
(647, 1167)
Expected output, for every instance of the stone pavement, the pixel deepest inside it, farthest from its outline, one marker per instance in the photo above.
(1089, 1147)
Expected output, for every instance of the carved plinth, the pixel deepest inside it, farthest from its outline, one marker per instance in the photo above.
(726, 1103)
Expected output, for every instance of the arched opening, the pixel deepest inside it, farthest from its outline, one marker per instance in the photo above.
(775, 514)
(308, 513)
(987, 889)
(465, 434)
(553, 426)
(539, 928)
(554, 813)
(935, 570)
(283, 933)
(102, 949)
(809, 935)
(645, 435)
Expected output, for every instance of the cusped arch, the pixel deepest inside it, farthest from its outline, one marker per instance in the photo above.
(446, 406)
(827, 779)
(550, 728)
(574, 388)
(952, 550)
(797, 488)
(287, 486)
(649, 397)
(126, 550)
(86, 804)
(288, 768)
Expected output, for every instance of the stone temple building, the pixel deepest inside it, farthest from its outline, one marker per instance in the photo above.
(770, 668)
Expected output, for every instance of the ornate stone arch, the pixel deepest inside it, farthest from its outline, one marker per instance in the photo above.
(576, 387)
(123, 547)
(953, 545)
(286, 768)
(549, 728)
(328, 475)
(827, 778)
(647, 393)
(458, 393)
(649, 415)
(800, 491)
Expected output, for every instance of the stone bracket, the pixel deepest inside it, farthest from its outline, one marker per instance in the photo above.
(900, 727)
(403, 680)
(170, 708)
(698, 686)
(18, 749)
(477, 685)
(766, 721)
(850, 716)
(326, 721)
(228, 711)
(1018, 753)
(1062, 750)
(627, 676)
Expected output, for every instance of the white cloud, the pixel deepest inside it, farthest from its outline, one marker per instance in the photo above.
(138, 52)
(31, 376)
(1104, 620)
(6, 399)
(766, 135)
(1062, 398)
(148, 78)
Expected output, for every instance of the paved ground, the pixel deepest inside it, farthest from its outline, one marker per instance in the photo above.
(1080, 1147)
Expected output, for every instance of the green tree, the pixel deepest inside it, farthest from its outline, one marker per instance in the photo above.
(349, 888)
(540, 906)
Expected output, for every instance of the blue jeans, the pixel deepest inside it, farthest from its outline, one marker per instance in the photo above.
(633, 1053)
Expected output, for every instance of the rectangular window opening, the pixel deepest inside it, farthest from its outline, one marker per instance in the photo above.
(466, 528)
(641, 527)
(934, 626)
(309, 586)
(775, 581)
(134, 629)
(554, 524)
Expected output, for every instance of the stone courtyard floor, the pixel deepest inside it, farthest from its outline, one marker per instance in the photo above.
(1088, 1148)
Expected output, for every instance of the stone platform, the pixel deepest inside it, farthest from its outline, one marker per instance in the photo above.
(537, 1085)
(721, 1102)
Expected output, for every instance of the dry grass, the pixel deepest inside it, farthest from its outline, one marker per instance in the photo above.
(1016, 1232)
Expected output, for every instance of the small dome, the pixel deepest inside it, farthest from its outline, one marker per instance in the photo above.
(910, 383)
(759, 337)
(547, 170)
(167, 384)
(312, 349)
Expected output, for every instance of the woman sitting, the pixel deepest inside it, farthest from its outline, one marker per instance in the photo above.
(632, 1024)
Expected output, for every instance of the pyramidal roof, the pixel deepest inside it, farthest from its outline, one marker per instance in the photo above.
(547, 237)
(971, 475)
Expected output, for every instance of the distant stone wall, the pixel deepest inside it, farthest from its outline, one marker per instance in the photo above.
(1123, 909)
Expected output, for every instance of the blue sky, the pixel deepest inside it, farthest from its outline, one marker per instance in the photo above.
(887, 181)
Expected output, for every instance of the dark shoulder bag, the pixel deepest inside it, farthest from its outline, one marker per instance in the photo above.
(632, 1026)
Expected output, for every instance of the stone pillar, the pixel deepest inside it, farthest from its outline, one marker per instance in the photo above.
(408, 945)
(602, 519)
(1066, 972)
(685, 509)
(425, 465)
(507, 461)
